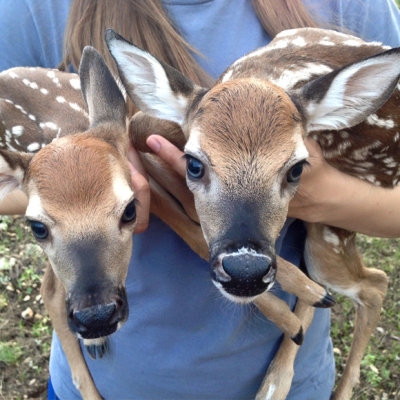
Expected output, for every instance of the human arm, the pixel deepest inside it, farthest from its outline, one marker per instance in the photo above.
(329, 196)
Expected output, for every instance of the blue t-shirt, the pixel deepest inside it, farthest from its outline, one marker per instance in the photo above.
(182, 339)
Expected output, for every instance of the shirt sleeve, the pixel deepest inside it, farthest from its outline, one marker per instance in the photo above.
(31, 32)
(371, 20)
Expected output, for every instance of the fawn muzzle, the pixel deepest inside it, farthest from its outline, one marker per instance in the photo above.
(92, 316)
(242, 270)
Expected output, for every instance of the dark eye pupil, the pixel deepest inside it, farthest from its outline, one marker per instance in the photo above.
(129, 213)
(295, 173)
(39, 230)
(195, 168)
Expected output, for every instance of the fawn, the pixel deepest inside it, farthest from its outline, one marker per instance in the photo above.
(68, 153)
(245, 154)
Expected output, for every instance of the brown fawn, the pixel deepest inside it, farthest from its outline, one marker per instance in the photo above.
(245, 154)
(68, 153)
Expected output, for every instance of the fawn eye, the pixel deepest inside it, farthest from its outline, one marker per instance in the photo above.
(294, 174)
(194, 167)
(129, 214)
(39, 230)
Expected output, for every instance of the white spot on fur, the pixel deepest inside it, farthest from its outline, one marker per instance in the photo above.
(373, 119)
(32, 85)
(17, 130)
(331, 237)
(32, 117)
(50, 125)
(326, 42)
(44, 91)
(60, 99)
(76, 107)
(352, 42)
(75, 83)
(289, 78)
(363, 152)
(33, 147)
(13, 75)
(299, 42)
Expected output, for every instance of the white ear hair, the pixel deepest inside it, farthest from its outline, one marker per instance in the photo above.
(155, 87)
(347, 96)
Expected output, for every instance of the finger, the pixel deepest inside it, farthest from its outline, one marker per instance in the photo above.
(168, 153)
(142, 194)
(134, 159)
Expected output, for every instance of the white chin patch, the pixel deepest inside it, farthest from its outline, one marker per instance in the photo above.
(94, 342)
(231, 297)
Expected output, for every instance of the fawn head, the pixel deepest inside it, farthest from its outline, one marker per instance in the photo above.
(245, 151)
(81, 202)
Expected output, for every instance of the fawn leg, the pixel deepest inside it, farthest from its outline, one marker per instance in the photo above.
(278, 380)
(277, 311)
(333, 260)
(296, 282)
(53, 295)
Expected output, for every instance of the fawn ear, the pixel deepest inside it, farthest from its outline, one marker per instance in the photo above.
(100, 90)
(13, 166)
(155, 87)
(345, 97)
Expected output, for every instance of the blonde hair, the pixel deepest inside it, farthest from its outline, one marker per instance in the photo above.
(145, 23)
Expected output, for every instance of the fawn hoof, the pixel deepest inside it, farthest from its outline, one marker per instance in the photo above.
(327, 302)
(299, 337)
(98, 350)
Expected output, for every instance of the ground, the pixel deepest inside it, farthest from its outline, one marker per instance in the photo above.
(25, 331)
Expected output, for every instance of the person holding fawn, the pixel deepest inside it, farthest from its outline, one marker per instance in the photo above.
(181, 340)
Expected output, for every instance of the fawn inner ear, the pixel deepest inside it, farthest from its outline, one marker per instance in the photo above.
(13, 166)
(155, 87)
(345, 97)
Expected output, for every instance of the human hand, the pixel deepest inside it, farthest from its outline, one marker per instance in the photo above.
(141, 189)
(174, 182)
(329, 196)
(310, 201)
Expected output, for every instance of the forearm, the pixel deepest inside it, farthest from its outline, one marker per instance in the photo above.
(14, 203)
(347, 202)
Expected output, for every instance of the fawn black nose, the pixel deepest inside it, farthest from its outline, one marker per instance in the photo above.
(245, 267)
(98, 320)
(245, 275)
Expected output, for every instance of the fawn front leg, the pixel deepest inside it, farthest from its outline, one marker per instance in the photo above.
(53, 295)
(278, 380)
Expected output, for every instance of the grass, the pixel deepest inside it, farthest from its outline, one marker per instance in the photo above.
(25, 342)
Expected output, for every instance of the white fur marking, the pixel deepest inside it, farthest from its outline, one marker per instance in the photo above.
(299, 41)
(33, 147)
(17, 130)
(373, 119)
(270, 393)
(75, 83)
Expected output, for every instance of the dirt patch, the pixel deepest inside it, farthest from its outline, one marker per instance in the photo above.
(25, 331)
